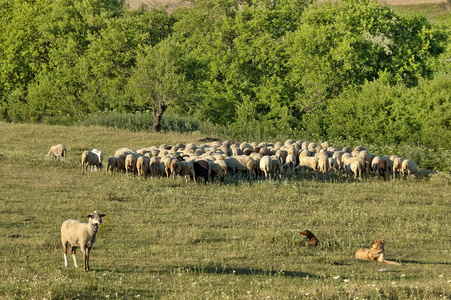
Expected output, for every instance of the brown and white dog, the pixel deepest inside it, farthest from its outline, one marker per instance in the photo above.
(312, 240)
(376, 253)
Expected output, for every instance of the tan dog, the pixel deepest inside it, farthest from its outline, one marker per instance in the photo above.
(376, 253)
(312, 240)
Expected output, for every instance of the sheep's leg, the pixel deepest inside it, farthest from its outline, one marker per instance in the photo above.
(65, 253)
(73, 256)
(86, 259)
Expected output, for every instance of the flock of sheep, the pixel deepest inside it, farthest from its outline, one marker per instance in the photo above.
(212, 161)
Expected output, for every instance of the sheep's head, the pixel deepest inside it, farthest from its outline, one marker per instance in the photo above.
(95, 217)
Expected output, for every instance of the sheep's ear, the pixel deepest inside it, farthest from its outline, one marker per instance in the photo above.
(90, 216)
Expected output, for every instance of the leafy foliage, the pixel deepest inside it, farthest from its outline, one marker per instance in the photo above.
(256, 68)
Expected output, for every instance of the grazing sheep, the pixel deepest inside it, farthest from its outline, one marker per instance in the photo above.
(58, 151)
(375, 164)
(202, 169)
(309, 163)
(266, 166)
(382, 168)
(338, 156)
(142, 165)
(408, 167)
(90, 159)
(347, 150)
(325, 145)
(81, 235)
(99, 154)
(112, 164)
(323, 164)
(120, 163)
(123, 151)
(291, 161)
(130, 163)
(277, 169)
(354, 167)
(397, 165)
(334, 165)
(218, 170)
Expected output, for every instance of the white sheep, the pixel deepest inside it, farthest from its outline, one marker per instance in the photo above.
(408, 167)
(58, 151)
(81, 235)
(397, 164)
(309, 163)
(354, 167)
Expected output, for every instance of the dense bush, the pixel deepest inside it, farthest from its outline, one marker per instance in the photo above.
(247, 69)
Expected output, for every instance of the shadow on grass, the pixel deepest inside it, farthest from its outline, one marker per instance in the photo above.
(424, 262)
(246, 271)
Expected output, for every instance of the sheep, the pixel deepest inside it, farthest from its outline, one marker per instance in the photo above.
(183, 168)
(309, 163)
(202, 168)
(99, 154)
(120, 163)
(57, 151)
(382, 168)
(338, 156)
(112, 164)
(325, 145)
(334, 165)
(130, 163)
(218, 170)
(277, 169)
(375, 165)
(142, 165)
(323, 164)
(291, 161)
(397, 165)
(123, 151)
(408, 167)
(89, 158)
(266, 166)
(81, 235)
(354, 167)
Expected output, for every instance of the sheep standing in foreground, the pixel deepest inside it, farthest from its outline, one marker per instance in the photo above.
(81, 235)
(58, 151)
(408, 167)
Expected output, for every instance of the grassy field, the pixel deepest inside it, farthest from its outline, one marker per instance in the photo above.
(166, 240)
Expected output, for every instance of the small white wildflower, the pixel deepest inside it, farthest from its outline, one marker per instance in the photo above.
(441, 275)
(345, 280)
(403, 275)
(336, 277)
(393, 282)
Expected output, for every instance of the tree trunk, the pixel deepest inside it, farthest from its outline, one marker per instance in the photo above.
(157, 114)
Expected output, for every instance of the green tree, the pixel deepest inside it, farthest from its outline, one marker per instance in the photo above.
(159, 79)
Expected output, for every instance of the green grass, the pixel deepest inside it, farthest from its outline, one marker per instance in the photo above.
(165, 240)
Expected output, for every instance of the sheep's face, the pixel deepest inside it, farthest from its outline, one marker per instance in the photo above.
(95, 218)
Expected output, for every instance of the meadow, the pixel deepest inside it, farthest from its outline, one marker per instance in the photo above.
(164, 239)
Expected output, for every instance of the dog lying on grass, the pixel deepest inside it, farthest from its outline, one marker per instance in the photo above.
(312, 240)
(376, 253)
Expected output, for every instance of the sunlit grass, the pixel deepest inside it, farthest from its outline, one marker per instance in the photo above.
(164, 239)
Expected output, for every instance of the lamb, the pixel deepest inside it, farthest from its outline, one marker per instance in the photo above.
(408, 167)
(58, 151)
(81, 235)
(89, 158)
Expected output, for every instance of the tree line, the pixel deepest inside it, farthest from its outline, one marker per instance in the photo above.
(349, 68)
